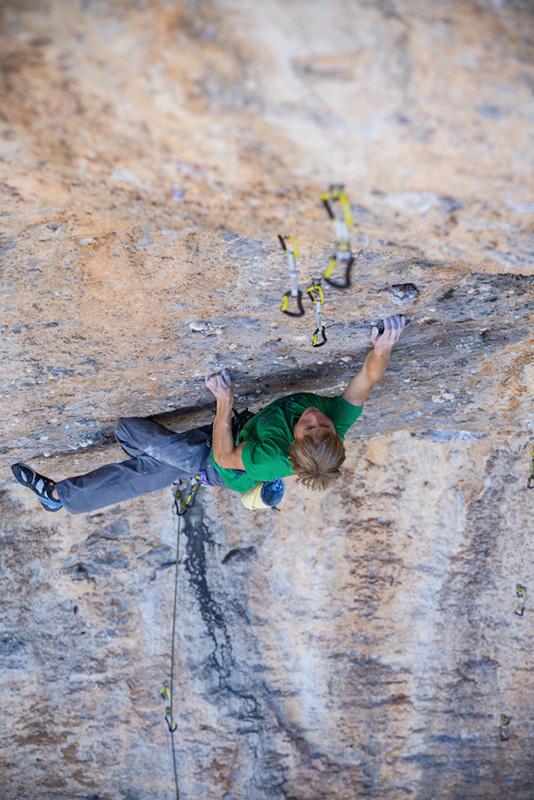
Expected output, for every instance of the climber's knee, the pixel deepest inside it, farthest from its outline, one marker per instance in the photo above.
(128, 430)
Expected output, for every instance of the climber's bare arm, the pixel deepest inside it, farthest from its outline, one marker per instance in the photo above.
(376, 362)
(225, 453)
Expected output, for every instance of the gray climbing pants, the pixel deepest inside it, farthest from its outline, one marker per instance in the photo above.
(159, 457)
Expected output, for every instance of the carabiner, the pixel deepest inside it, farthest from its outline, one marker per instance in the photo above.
(182, 506)
(334, 261)
(521, 592)
(504, 727)
(336, 192)
(315, 343)
(287, 297)
(316, 295)
(294, 293)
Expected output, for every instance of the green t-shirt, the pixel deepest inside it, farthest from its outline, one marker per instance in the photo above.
(269, 433)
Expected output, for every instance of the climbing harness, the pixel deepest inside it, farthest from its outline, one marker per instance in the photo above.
(530, 483)
(187, 490)
(316, 295)
(343, 255)
(294, 293)
(521, 592)
(504, 727)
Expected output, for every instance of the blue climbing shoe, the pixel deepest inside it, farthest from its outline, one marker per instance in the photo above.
(43, 487)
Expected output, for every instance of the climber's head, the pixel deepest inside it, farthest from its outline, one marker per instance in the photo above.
(317, 452)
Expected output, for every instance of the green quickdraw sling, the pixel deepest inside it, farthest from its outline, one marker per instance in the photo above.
(530, 483)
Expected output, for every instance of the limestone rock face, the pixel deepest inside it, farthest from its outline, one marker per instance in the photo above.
(361, 642)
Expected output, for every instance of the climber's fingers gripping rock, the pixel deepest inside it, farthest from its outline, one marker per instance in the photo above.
(393, 327)
(220, 384)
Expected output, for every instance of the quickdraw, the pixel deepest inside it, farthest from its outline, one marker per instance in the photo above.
(294, 293)
(316, 295)
(530, 483)
(182, 505)
(521, 592)
(343, 255)
(504, 727)
(165, 692)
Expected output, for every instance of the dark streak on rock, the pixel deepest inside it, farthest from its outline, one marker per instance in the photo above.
(198, 539)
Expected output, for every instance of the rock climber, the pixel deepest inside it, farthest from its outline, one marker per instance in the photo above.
(299, 433)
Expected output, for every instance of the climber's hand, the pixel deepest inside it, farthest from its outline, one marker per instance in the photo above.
(393, 327)
(220, 384)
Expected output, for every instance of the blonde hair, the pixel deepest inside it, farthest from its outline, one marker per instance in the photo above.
(317, 462)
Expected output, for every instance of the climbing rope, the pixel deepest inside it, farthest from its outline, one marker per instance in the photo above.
(343, 223)
(181, 507)
(294, 293)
